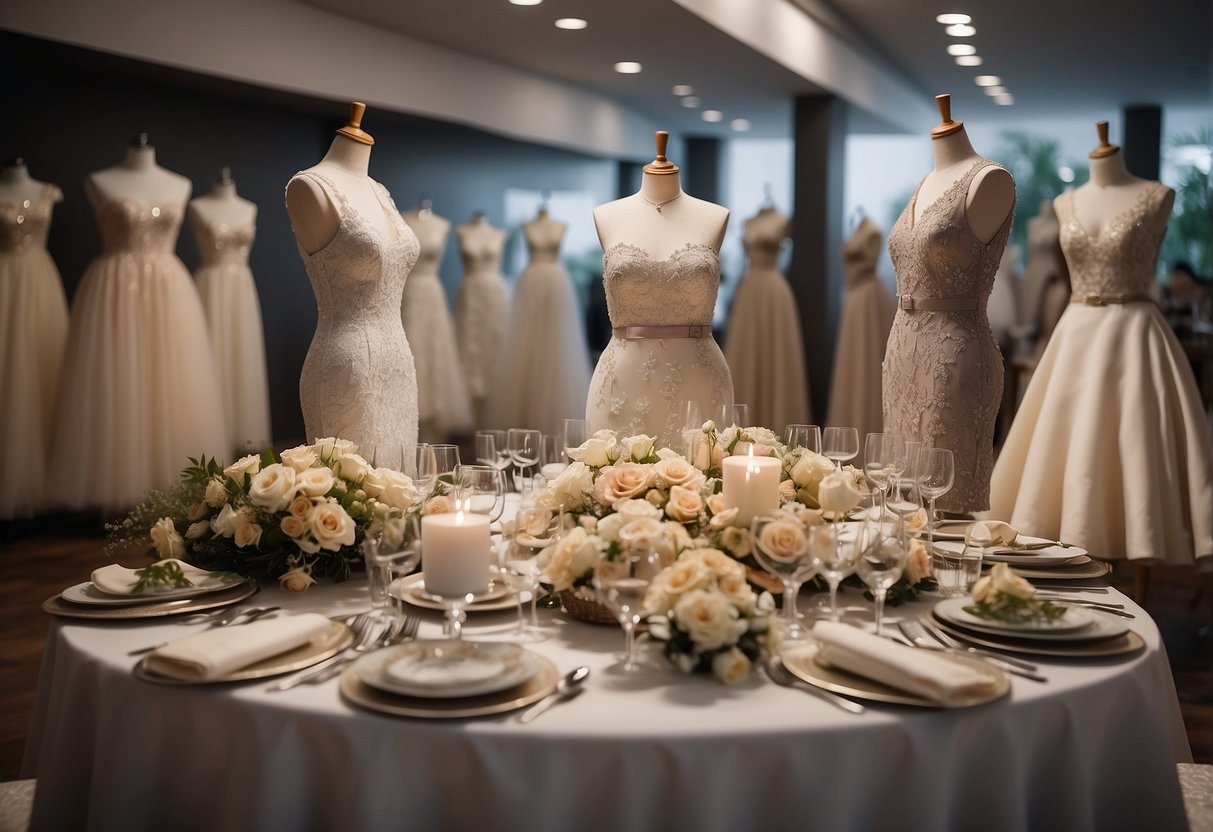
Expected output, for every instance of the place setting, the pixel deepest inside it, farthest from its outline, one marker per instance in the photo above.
(165, 588)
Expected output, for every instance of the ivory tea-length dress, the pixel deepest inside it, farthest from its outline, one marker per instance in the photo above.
(358, 379)
(139, 395)
(942, 367)
(1110, 449)
(33, 332)
(661, 351)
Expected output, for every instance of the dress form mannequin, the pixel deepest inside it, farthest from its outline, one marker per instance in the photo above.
(482, 310)
(765, 346)
(139, 382)
(1110, 448)
(661, 270)
(33, 332)
(224, 225)
(943, 372)
(442, 399)
(358, 380)
(1043, 261)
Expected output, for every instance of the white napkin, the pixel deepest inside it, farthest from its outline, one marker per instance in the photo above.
(910, 669)
(118, 580)
(220, 651)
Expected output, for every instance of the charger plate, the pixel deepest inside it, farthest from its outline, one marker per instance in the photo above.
(1122, 645)
(58, 605)
(1079, 571)
(411, 590)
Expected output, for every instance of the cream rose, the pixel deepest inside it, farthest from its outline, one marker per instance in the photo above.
(636, 448)
(273, 487)
(982, 589)
(709, 619)
(331, 449)
(588, 522)
(595, 452)
(297, 579)
(918, 563)
(300, 507)
(784, 540)
(216, 493)
(293, 526)
(353, 467)
(1003, 580)
(719, 563)
(621, 481)
(223, 523)
(836, 493)
(737, 589)
(300, 457)
(573, 485)
(730, 666)
(568, 559)
(196, 530)
(916, 520)
(677, 471)
(314, 482)
(439, 504)
(685, 575)
(391, 487)
(787, 491)
(197, 511)
(736, 540)
(244, 467)
(809, 468)
(643, 532)
(247, 534)
(332, 527)
(168, 543)
(684, 504)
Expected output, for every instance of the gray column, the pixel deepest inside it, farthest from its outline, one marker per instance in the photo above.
(1142, 143)
(815, 272)
(703, 170)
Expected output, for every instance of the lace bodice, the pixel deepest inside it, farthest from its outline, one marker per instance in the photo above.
(1120, 259)
(481, 253)
(221, 244)
(641, 291)
(26, 224)
(859, 254)
(545, 251)
(130, 226)
(761, 248)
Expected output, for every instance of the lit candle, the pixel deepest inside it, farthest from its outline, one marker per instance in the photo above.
(455, 553)
(751, 484)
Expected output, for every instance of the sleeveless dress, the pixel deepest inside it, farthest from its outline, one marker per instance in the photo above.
(641, 385)
(233, 313)
(358, 379)
(482, 310)
(545, 364)
(943, 369)
(1110, 449)
(33, 332)
(139, 395)
(765, 347)
(863, 334)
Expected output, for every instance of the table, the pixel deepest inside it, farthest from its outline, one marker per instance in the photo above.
(1095, 748)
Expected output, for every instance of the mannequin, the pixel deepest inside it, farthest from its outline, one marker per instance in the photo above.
(765, 347)
(443, 406)
(33, 332)
(358, 381)
(1042, 262)
(661, 270)
(482, 310)
(1110, 449)
(139, 382)
(943, 372)
(224, 225)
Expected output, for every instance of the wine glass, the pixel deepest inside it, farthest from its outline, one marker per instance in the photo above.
(880, 561)
(882, 455)
(803, 436)
(524, 445)
(392, 549)
(840, 444)
(693, 415)
(741, 415)
(781, 545)
(935, 471)
(551, 456)
(833, 550)
(574, 434)
(519, 564)
(621, 585)
(481, 490)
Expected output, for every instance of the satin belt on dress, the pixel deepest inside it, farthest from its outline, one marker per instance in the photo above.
(913, 304)
(634, 333)
(1105, 298)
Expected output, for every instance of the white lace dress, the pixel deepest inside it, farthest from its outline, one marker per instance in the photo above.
(640, 385)
(482, 311)
(358, 379)
(943, 369)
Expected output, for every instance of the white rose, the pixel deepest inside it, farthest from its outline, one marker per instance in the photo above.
(297, 579)
(787, 491)
(621, 481)
(720, 564)
(684, 504)
(837, 493)
(918, 563)
(300, 507)
(332, 527)
(736, 540)
(636, 448)
(678, 471)
(763, 438)
(982, 589)
(569, 559)
(809, 468)
(609, 526)
(784, 540)
(331, 449)
(216, 492)
(168, 543)
(314, 482)
(293, 526)
(588, 522)
(737, 589)
(595, 451)
(675, 538)
(730, 666)
(300, 458)
(636, 509)
(351, 466)
(223, 523)
(643, 532)
(391, 487)
(685, 575)
(273, 487)
(728, 437)
(709, 619)
(246, 466)
(247, 534)
(1003, 580)
(573, 486)
(196, 530)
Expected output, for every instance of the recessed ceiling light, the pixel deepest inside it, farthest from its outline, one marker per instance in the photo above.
(712, 115)
(960, 30)
(952, 19)
(690, 101)
(571, 23)
(526, 2)
(683, 89)
(962, 49)
(1006, 99)
(968, 60)
(627, 67)
(998, 90)
(988, 80)
(740, 124)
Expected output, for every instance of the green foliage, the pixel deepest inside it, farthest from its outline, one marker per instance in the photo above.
(1034, 162)
(1190, 231)
(1014, 610)
(165, 573)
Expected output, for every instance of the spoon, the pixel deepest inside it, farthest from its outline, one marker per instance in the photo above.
(780, 675)
(566, 688)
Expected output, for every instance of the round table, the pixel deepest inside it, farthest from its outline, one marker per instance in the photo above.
(1093, 748)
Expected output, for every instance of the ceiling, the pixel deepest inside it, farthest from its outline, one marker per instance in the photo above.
(1056, 57)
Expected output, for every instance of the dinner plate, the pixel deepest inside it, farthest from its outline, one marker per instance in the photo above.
(543, 683)
(89, 593)
(1129, 642)
(332, 641)
(56, 605)
(948, 530)
(411, 590)
(1075, 619)
(1040, 558)
(1099, 626)
(447, 669)
(803, 664)
(1084, 569)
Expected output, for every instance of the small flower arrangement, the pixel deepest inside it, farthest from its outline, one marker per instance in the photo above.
(292, 518)
(1004, 596)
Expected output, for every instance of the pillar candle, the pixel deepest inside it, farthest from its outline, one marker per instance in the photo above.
(455, 553)
(751, 484)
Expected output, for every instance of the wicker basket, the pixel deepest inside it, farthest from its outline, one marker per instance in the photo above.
(580, 604)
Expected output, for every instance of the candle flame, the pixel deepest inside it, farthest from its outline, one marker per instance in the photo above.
(750, 467)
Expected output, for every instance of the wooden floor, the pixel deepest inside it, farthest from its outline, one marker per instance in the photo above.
(37, 562)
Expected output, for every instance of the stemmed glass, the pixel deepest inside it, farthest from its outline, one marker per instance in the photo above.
(621, 585)
(574, 434)
(935, 470)
(741, 415)
(840, 444)
(882, 456)
(481, 488)
(880, 561)
(524, 445)
(803, 436)
(551, 456)
(833, 557)
(392, 549)
(781, 544)
(520, 567)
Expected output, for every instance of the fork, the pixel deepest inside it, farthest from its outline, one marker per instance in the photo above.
(920, 634)
(396, 632)
(249, 615)
(365, 638)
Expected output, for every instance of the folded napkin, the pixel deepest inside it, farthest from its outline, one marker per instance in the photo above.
(910, 669)
(118, 580)
(217, 652)
(997, 532)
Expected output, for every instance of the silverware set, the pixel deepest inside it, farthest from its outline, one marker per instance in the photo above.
(928, 637)
(368, 638)
(226, 618)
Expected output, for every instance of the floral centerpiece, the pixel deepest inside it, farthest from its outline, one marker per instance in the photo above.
(293, 517)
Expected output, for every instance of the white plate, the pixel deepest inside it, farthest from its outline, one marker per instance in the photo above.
(446, 669)
(87, 593)
(1038, 558)
(1096, 625)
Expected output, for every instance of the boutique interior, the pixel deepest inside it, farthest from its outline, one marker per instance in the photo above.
(804, 132)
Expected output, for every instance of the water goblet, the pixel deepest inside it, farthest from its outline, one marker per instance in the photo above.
(391, 549)
(519, 564)
(882, 456)
(481, 488)
(834, 548)
(621, 584)
(741, 415)
(574, 435)
(935, 470)
(781, 545)
(880, 562)
(803, 436)
(551, 456)
(524, 445)
(840, 444)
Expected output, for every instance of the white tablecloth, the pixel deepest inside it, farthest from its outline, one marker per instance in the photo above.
(1094, 748)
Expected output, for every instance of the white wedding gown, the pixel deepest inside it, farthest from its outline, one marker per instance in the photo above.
(482, 310)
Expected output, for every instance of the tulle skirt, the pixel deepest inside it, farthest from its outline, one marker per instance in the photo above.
(233, 314)
(765, 351)
(442, 396)
(139, 393)
(855, 386)
(33, 332)
(545, 364)
(482, 310)
(1110, 449)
